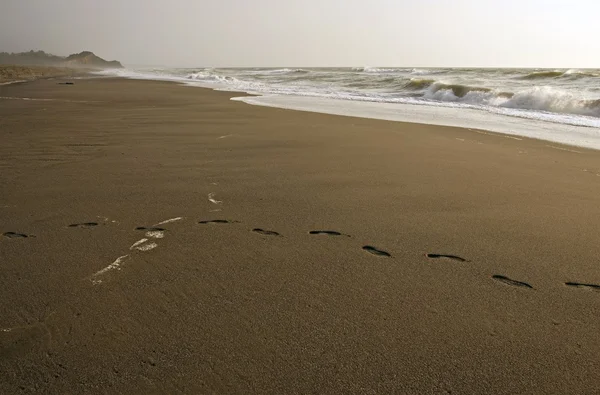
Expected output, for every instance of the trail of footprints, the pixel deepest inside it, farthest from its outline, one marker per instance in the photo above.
(147, 243)
(154, 233)
(265, 232)
(14, 235)
(84, 225)
(444, 256)
(376, 251)
(509, 281)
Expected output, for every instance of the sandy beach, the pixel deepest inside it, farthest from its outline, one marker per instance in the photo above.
(158, 238)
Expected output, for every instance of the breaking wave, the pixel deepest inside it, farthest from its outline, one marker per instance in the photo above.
(543, 98)
(553, 100)
(539, 98)
(425, 71)
(208, 76)
(574, 74)
(542, 74)
(458, 90)
(418, 83)
(368, 69)
(282, 71)
(571, 73)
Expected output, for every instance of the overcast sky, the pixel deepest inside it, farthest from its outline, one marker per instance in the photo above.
(192, 33)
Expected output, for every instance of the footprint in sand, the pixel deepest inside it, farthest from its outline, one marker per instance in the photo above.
(327, 233)
(375, 251)
(265, 232)
(14, 235)
(445, 256)
(142, 245)
(85, 225)
(508, 281)
(153, 232)
(216, 221)
(151, 229)
(168, 221)
(116, 265)
(146, 244)
(594, 287)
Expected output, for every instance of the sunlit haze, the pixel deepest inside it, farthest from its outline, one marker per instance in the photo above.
(429, 33)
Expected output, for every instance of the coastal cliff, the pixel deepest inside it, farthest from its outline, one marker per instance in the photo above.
(84, 59)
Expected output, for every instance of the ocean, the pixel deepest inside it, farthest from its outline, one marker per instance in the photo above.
(559, 105)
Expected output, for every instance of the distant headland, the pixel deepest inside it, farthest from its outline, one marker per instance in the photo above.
(85, 59)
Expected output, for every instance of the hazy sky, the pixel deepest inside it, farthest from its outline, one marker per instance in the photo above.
(492, 33)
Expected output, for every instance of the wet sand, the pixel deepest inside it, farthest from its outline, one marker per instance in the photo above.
(286, 252)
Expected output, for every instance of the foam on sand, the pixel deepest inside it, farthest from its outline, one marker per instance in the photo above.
(167, 221)
(211, 198)
(116, 265)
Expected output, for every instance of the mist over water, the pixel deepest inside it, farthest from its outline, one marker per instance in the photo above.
(561, 96)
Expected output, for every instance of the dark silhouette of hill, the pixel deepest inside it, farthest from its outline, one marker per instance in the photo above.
(85, 59)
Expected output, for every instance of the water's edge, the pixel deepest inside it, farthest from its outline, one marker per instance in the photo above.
(574, 136)
(462, 117)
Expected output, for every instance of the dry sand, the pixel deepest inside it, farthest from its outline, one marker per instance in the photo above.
(219, 308)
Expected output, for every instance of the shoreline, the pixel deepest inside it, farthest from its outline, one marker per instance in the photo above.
(567, 134)
(262, 100)
(389, 112)
(295, 104)
(159, 239)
